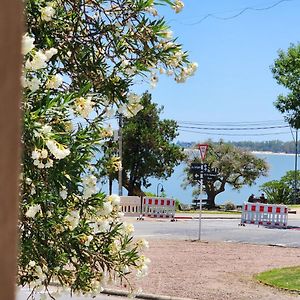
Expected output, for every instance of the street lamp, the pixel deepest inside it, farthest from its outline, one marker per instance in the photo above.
(161, 190)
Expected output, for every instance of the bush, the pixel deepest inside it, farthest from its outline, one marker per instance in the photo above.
(229, 206)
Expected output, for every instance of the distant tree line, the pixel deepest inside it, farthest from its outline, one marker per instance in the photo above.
(275, 146)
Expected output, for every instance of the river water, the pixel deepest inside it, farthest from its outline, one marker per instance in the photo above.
(279, 164)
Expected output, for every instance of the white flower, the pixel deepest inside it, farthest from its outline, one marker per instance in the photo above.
(44, 153)
(107, 208)
(32, 211)
(31, 263)
(142, 244)
(46, 129)
(120, 214)
(178, 6)
(124, 63)
(72, 219)
(64, 194)
(41, 165)
(27, 44)
(152, 10)
(33, 84)
(54, 82)
(28, 180)
(128, 228)
(84, 106)
(47, 13)
(35, 154)
(49, 53)
(143, 267)
(49, 163)
(38, 62)
(88, 241)
(59, 151)
(101, 226)
(153, 80)
(114, 199)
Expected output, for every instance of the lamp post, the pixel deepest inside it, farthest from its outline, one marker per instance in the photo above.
(161, 190)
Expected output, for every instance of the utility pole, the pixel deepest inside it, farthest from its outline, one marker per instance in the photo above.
(296, 168)
(120, 154)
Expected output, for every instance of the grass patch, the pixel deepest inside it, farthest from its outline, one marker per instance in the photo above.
(285, 278)
(293, 206)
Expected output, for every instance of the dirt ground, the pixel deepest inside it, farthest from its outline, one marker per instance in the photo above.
(214, 270)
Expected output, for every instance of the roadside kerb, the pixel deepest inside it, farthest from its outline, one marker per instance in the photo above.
(142, 295)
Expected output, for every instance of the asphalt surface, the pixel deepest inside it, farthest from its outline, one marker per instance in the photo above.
(227, 230)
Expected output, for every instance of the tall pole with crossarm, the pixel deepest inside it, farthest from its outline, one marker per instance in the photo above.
(120, 179)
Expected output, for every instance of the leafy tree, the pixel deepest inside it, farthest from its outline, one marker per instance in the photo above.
(276, 192)
(236, 169)
(283, 190)
(286, 71)
(148, 148)
(80, 60)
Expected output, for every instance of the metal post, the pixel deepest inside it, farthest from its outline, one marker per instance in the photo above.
(162, 188)
(120, 154)
(200, 209)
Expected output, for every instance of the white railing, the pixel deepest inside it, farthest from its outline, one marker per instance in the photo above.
(264, 214)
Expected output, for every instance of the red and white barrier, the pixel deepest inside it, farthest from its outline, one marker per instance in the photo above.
(264, 214)
(158, 207)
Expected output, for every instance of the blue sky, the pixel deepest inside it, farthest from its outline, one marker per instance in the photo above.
(234, 82)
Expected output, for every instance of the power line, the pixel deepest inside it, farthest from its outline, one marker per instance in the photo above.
(233, 124)
(242, 11)
(236, 128)
(233, 134)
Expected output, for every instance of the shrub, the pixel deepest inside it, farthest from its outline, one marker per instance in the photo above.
(229, 206)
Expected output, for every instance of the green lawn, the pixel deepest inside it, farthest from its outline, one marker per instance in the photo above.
(293, 206)
(285, 278)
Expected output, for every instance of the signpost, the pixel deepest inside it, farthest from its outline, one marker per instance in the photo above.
(202, 172)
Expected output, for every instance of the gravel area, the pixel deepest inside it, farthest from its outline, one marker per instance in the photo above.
(214, 270)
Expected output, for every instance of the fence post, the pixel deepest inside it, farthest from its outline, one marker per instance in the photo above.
(11, 28)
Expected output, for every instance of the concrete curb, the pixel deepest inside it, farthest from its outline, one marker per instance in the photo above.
(142, 295)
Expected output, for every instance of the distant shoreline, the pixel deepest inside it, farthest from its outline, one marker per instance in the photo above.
(272, 153)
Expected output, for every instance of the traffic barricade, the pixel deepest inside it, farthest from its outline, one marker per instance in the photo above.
(264, 214)
(158, 207)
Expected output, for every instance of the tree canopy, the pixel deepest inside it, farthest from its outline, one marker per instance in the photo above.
(236, 169)
(148, 148)
(286, 71)
(283, 190)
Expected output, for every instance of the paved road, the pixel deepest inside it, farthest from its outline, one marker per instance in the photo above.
(219, 230)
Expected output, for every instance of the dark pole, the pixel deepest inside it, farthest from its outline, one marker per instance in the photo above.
(296, 168)
(120, 154)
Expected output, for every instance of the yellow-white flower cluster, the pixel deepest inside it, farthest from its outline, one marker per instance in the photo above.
(72, 219)
(132, 107)
(33, 210)
(178, 6)
(89, 186)
(48, 12)
(59, 151)
(84, 106)
(41, 159)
